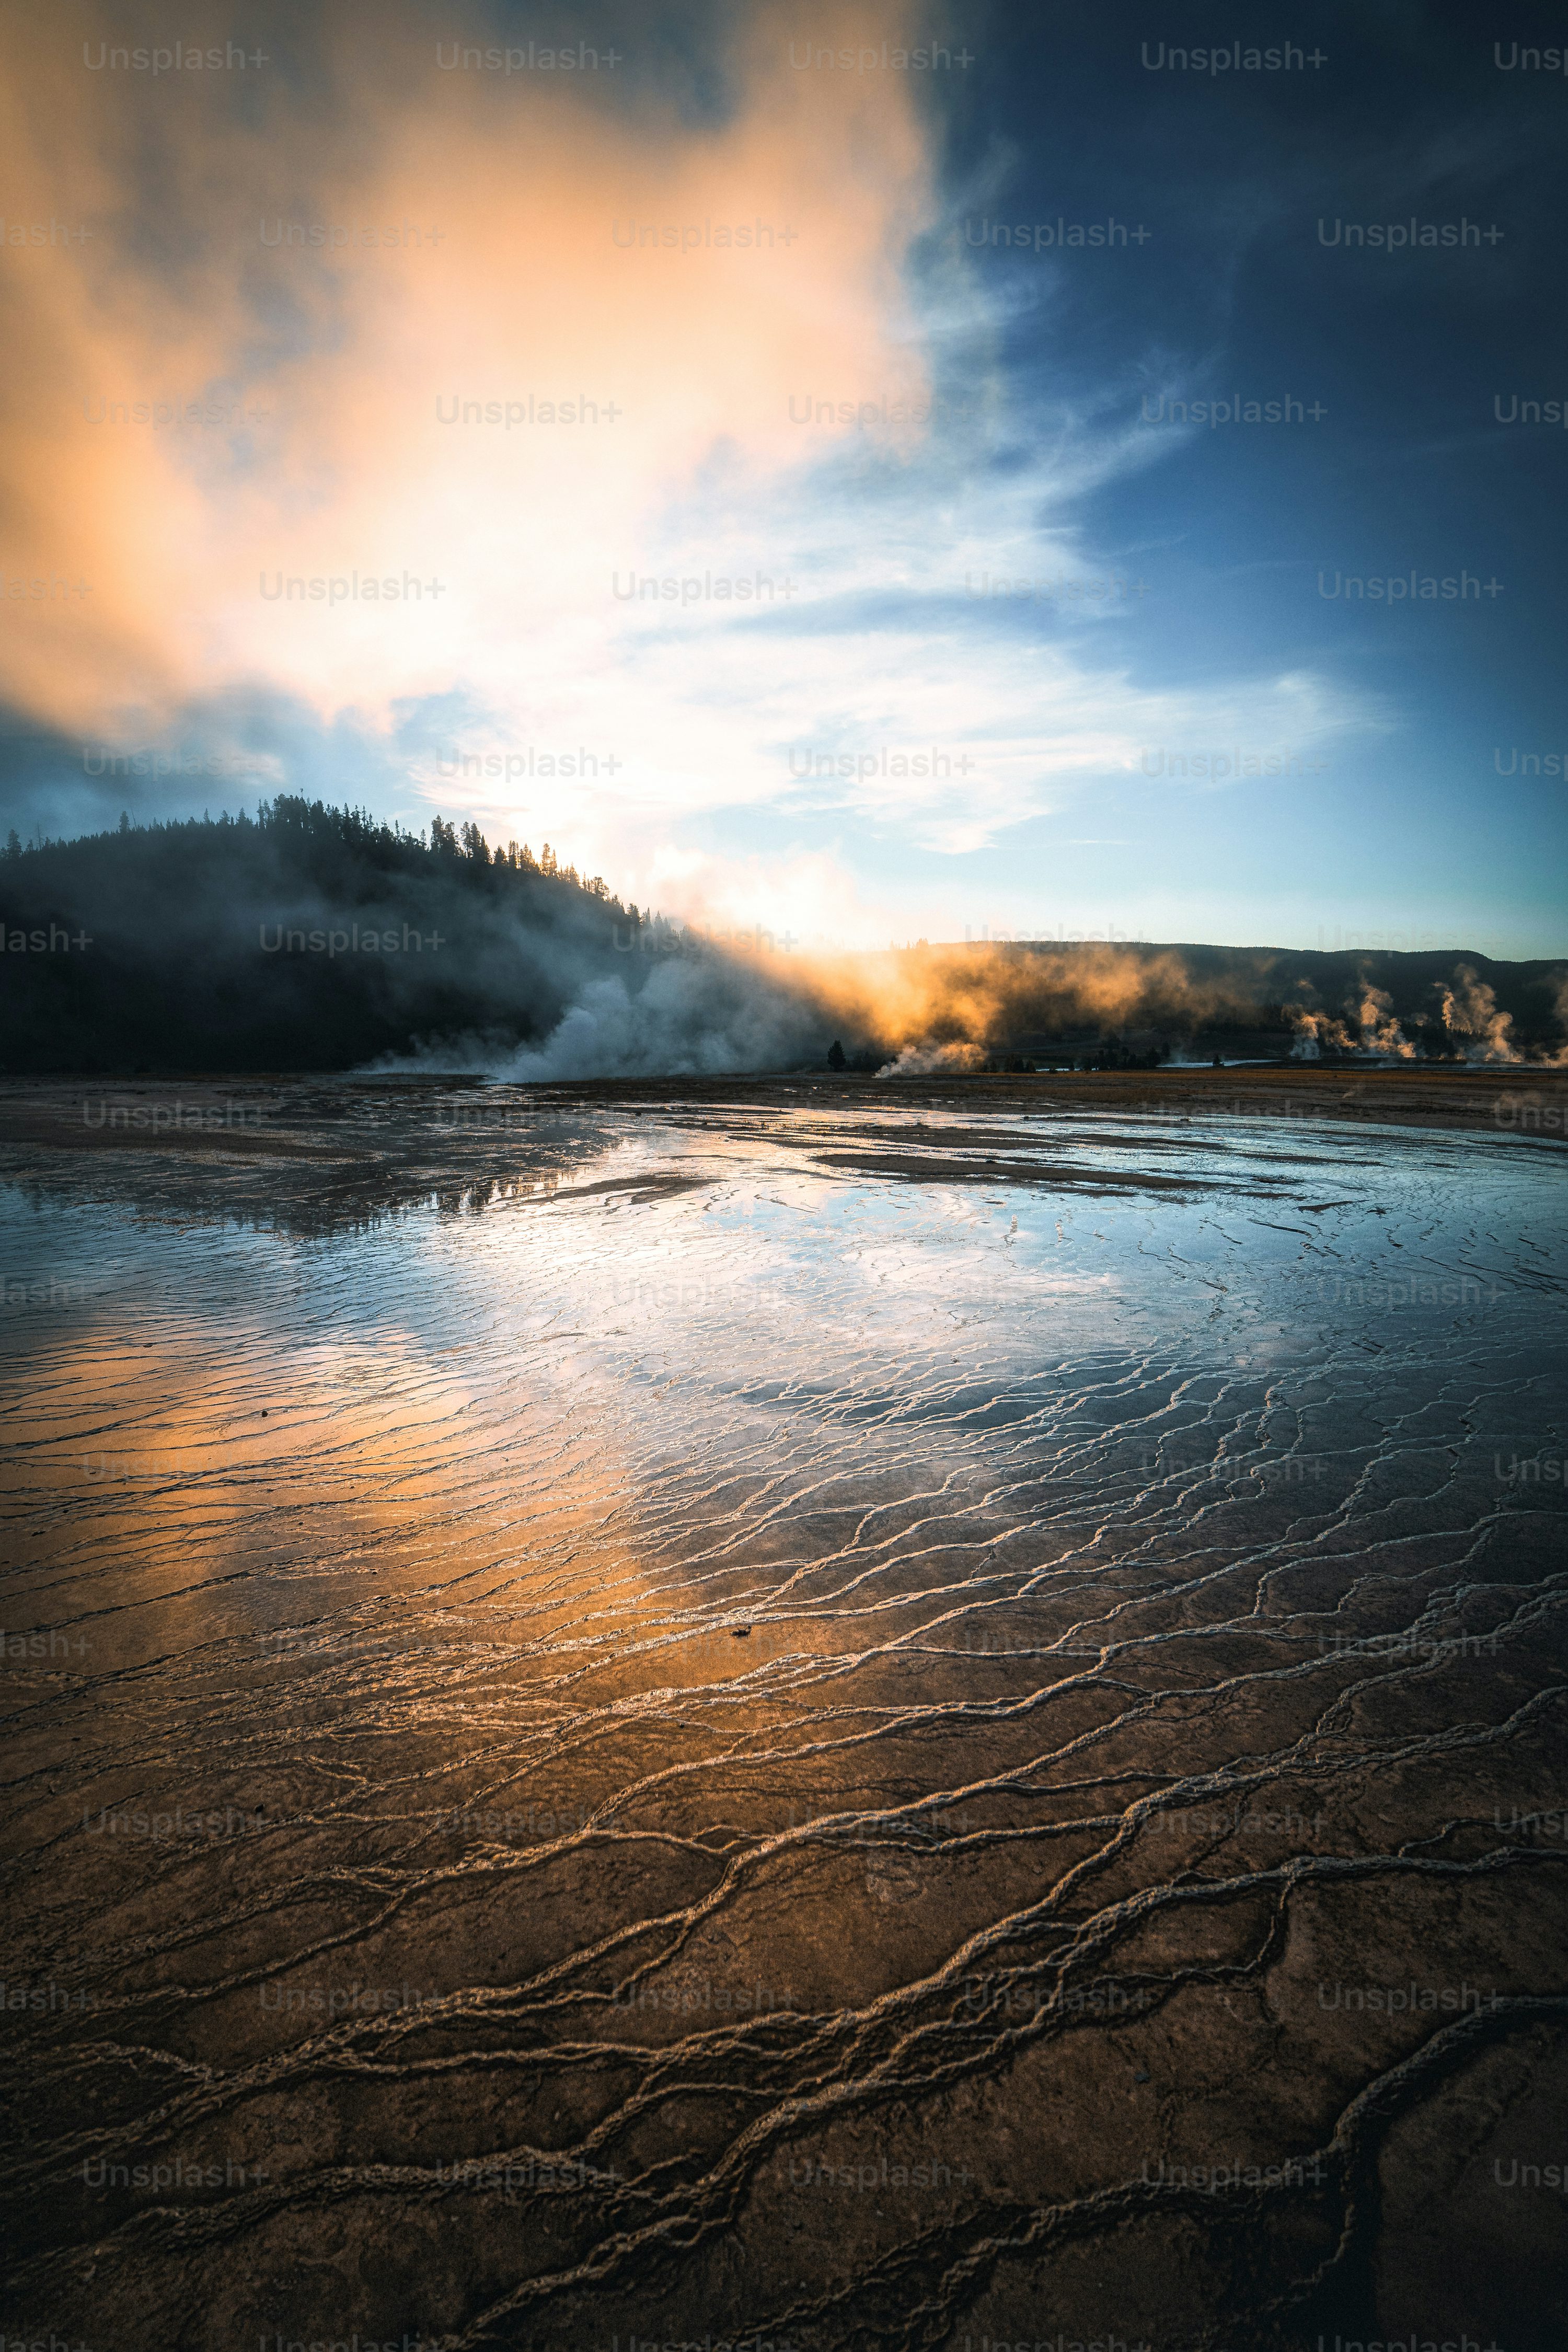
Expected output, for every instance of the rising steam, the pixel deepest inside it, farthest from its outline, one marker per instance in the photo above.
(1466, 1011)
(1469, 1012)
(1370, 1028)
(694, 1016)
(945, 1011)
(928, 1060)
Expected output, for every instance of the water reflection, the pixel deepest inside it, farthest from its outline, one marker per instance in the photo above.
(634, 1667)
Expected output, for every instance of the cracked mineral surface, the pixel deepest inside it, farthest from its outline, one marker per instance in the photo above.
(1116, 1889)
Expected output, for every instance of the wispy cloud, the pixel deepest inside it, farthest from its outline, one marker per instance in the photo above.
(874, 595)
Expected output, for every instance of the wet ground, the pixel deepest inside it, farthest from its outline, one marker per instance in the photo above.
(848, 1717)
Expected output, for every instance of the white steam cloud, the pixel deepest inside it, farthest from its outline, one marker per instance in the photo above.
(693, 1016)
(923, 1061)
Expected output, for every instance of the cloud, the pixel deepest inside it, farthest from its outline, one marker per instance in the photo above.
(374, 412)
(337, 357)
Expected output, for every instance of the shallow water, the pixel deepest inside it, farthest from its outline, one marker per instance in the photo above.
(861, 1730)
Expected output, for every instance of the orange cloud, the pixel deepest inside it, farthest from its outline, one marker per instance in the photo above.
(326, 362)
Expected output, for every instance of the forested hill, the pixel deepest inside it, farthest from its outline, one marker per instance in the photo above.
(304, 937)
(310, 938)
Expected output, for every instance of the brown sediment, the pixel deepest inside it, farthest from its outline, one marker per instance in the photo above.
(1531, 1103)
(974, 1168)
(857, 1834)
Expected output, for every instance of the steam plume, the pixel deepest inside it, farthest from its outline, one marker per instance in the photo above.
(1469, 1012)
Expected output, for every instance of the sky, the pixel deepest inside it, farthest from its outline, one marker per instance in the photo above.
(848, 474)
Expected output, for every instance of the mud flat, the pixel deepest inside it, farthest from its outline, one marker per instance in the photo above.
(242, 1114)
(1528, 1101)
(847, 1713)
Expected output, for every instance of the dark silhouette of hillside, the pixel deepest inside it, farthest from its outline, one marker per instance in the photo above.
(306, 937)
(314, 939)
